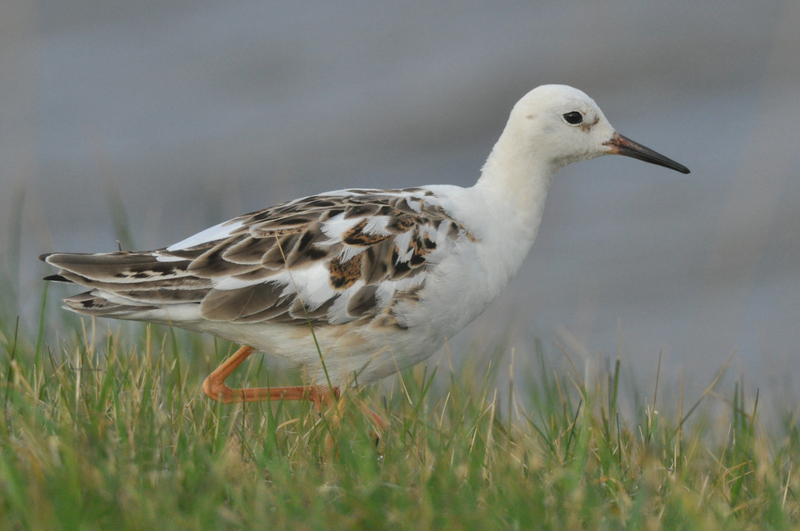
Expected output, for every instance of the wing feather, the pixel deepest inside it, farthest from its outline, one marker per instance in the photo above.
(349, 255)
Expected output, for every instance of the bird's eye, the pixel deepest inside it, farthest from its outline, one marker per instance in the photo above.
(573, 117)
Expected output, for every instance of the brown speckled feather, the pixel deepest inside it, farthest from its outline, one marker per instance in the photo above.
(271, 265)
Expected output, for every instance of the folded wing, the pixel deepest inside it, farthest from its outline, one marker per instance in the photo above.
(328, 259)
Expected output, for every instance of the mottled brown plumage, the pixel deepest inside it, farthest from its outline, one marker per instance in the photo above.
(240, 277)
(344, 275)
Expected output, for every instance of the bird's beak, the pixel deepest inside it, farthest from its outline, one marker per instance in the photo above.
(621, 145)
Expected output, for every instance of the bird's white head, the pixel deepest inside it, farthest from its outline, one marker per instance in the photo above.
(555, 125)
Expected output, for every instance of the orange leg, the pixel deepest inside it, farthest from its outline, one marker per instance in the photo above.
(214, 386)
(377, 420)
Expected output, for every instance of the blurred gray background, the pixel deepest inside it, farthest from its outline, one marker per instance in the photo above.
(178, 115)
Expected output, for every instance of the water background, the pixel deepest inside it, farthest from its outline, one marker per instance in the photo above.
(178, 115)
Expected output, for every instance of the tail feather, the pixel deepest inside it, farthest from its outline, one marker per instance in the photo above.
(88, 303)
(57, 278)
(124, 283)
(120, 267)
(153, 284)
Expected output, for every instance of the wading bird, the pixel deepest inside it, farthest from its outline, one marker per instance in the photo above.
(355, 285)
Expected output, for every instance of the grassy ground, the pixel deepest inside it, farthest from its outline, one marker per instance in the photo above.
(113, 433)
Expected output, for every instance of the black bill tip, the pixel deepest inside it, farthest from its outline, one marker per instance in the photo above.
(621, 145)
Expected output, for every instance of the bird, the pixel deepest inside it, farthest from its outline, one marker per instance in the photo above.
(355, 285)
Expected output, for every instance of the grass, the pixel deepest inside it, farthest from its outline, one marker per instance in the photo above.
(112, 432)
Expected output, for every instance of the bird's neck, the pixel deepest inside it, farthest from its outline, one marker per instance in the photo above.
(512, 189)
(515, 180)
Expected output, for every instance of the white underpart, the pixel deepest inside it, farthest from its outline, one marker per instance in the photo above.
(406, 283)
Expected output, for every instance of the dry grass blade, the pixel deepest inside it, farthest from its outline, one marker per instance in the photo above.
(708, 390)
(123, 442)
